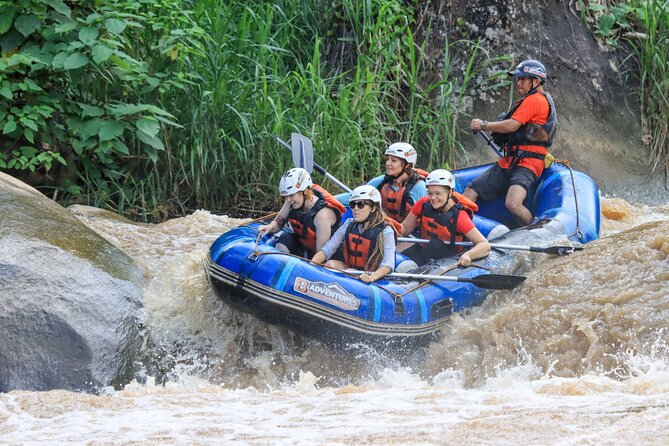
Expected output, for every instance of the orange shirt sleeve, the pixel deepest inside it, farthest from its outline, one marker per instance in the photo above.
(534, 109)
(417, 208)
(465, 224)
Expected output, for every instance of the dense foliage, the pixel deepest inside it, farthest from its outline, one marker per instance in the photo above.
(643, 26)
(156, 107)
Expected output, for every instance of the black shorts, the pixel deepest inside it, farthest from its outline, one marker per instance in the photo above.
(435, 249)
(496, 181)
(290, 240)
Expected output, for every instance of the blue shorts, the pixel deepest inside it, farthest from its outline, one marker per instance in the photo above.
(496, 181)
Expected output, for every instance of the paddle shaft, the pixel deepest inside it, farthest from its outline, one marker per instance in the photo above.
(559, 250)
(318, 168)
(490, 143)
(488, 281)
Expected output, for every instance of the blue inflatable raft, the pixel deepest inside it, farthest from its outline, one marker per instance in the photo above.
(289, 291)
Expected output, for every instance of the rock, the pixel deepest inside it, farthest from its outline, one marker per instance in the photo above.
(71, 301)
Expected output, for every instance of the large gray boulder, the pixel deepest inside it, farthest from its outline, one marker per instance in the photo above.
(70, 300)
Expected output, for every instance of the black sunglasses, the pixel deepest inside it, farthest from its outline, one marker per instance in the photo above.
(359, 204)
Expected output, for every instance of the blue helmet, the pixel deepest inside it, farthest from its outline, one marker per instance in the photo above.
(530, 68)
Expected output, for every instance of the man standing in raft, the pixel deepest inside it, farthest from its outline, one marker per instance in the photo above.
(444, 216)
(523, 133)
(313, 213)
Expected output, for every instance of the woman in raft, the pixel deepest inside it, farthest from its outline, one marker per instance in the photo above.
(403, 184)
(312, 212)
(445, 217)
(368, 239)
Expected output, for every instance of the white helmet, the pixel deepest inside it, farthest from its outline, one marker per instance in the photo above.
(440, 177)
(365, 192)
(404, 151)
(295, 180)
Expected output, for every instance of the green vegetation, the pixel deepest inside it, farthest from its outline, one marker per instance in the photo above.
(154, 108)
(642, 25)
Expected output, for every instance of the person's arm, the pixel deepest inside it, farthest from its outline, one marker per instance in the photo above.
(376, 275)
(480, 249)
(319, 258)
(335, 241)
(323, 222)
(278, 222)
(409, 224)
(507, 126)
(388, 261)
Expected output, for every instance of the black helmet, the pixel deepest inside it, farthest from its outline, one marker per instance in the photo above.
(530, 68)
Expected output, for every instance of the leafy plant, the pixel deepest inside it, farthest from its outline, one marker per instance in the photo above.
(70, 85)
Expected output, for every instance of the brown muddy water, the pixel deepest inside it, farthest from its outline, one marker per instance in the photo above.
(577, 355)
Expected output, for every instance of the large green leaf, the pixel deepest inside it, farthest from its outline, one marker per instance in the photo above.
(90, 128)
(6, 18)
(120, 147)
(27, 24)
(88, 35)
(151, 141)
(6, 90)
(101, 53)
(115, 26)
(9, 127)
(27, 122)
(74, 61)
(91, 110)
(60, 7)
(11, 40)
(148, 126)
(110, 130)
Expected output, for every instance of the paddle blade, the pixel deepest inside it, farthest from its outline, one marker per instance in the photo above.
(303, 152)
(495, 281)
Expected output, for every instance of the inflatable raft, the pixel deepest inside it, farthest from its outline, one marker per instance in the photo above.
(289, 291)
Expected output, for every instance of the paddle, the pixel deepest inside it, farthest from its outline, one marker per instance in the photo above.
(302, 150)
(487, 281)
(489, 141)
(558, 250)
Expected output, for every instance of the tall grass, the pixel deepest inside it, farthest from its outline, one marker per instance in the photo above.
(644, 24)
(653, 54)
(348, 74)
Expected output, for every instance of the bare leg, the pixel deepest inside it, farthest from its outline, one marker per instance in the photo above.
(335, 264)
(514, 203)
(282, 247)
(470, 193)
(401, 246)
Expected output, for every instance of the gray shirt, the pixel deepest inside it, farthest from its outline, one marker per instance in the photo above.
(388, 244)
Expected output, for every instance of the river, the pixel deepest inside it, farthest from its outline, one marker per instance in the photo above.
(577, 355)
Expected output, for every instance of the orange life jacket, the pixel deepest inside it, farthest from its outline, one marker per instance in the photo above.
(358, 246)
(397, 203)
(303, 222)
(443, 226)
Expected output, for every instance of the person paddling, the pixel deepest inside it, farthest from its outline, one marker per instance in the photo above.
(444, 216)
(403, 184)
(524, 133)
(313, 213)
(368, 239)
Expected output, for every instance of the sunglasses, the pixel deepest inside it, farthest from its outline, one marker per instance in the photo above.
(359, 204)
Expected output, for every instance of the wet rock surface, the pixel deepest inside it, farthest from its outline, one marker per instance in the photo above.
(71, 301)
